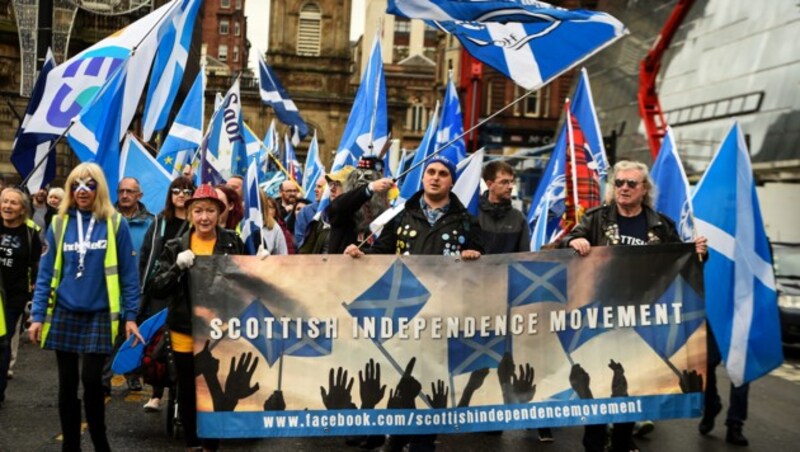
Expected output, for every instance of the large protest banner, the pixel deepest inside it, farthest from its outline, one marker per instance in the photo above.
(330, 345)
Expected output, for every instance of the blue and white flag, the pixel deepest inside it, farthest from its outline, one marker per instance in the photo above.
(468, 185)
(253, 221)
(175, 39)
(537, 282)
(582, 109)
(549, 201)
(572, 339)
(135, 161)
(269, 342)
(412, 181)
(304, 344)
(274, 95)
(224, 140)
(72, 86)
(313, 170)
(95, 135)
(290, 161)
(673, 193)
(397, 293)
(186, 133)
(466, 354)
(667, 338)
(30, 148)
(742, 309)
(530, 42)
(256, 151)
(367, 128)
(451, 126)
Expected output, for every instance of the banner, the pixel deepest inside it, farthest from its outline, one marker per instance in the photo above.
(330, 345)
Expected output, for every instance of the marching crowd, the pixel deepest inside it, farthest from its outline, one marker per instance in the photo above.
(94, 271)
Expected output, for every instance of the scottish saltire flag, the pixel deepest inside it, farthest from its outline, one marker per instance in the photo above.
(412, 181)
(271, 139)
(367, 128)
(529, 42)
(397, 293)
(673, 197)
(72, 85)
(537, 282)
(548, 204)
(742, 309)
(572, 339)
(269, 343)
(253, 220)
(468, 185)
(290, 161)
(583, 111)
(136, 161)
(305, 344)
(224, 140)
(186, 133)
(582, 181)
(668, 338)
(313, 170)
(255, 152)
(468, 354)
(30, 148)
(451, 126)
(95, 134)
(175, 38)
(274, 95)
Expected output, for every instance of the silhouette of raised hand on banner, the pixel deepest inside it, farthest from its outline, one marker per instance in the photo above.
(619, 384)
(369, 385)
(476, 379)
(690, 382)
(407, 390)
(579, 380)
(440, 393)
(338, 396)
(275, 402)
(523, 386)
(240, 375)
(505, 369)
(205, 363)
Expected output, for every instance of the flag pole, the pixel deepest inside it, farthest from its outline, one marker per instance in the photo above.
(64, 133)
(466, 132)
(452, 391)
(571, 148)
(374, 117)
(393, 362)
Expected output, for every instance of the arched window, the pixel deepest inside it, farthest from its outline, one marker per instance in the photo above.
(309, 30)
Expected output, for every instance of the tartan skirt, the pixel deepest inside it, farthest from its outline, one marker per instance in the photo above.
(80, 332)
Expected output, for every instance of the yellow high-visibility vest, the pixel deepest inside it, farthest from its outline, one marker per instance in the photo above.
(109, 263)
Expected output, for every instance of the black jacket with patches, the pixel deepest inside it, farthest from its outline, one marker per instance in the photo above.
(503, 228)
(172, 283)
(410, 232)
(599, 227)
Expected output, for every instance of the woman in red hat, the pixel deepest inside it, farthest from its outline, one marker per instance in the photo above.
(203, 238)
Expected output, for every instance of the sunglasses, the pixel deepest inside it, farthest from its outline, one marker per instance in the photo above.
(84, 185)
(185, 191)
(630, 182)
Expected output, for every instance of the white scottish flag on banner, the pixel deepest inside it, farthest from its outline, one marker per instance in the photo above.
(530, 42)
(71, 86)
(673, 195)
(169, 65)
(273, 94)
(742, 308)
(186, 133)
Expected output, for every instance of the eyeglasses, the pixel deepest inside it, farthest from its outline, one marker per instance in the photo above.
(185, 191)
(631, 183)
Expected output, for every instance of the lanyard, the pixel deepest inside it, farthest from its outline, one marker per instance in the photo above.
(83, 243)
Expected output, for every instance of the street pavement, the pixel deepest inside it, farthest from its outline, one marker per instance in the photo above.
(29, 420)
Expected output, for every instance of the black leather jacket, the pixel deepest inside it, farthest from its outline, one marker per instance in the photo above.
(598, 226)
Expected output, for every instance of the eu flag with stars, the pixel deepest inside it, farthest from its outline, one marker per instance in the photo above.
(397, 293)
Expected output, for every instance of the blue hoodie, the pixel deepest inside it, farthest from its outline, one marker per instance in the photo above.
(88, 293)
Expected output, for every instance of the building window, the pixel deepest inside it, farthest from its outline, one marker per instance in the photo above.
(224, 27)
(225, 3)
(399, 53)
(309, 30)
(533, 106)
(238, 4)
(402, 25)
(237, 29)
(235, 54)
(223, 53)
(495, 95)
(416, 117)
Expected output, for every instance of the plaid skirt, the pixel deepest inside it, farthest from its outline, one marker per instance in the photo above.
(80, 332)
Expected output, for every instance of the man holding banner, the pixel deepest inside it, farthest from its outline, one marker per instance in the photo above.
(627, 218)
